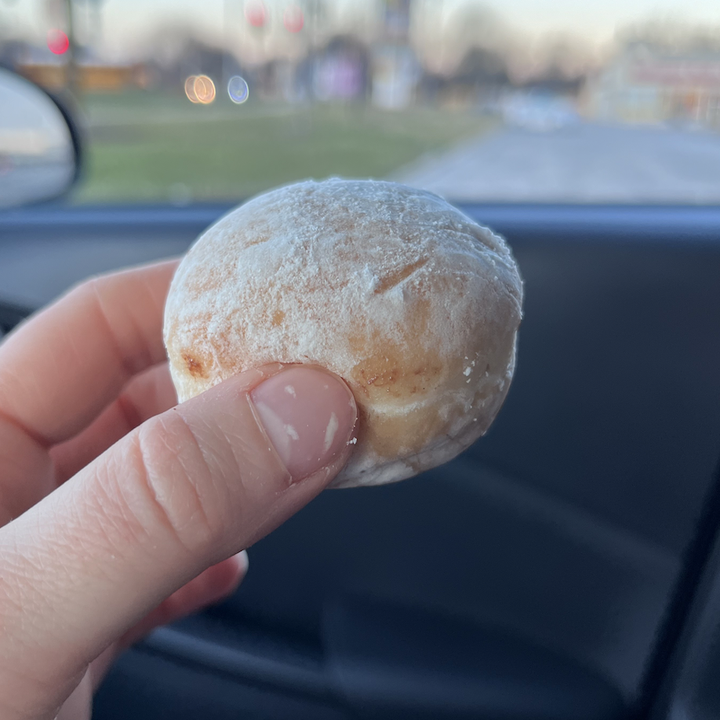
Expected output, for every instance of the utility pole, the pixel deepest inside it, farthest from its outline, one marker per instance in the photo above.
(96, 22)
(6, 17)
(73, 77)
(228, 44)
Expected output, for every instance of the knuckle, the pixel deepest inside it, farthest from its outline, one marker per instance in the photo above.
(179, 484)
(99, 294)
(90, 290)
(94, 284)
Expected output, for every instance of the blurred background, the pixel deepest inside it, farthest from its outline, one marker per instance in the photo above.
(516, 101)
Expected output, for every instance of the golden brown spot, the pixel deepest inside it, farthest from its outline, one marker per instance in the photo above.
(382, 378)
(375, 376)
(395, 278)
(194, 367)
(401, 367)
(205, 284)
(398, 436)
(257, 241)
(278, 317)
(255, 233)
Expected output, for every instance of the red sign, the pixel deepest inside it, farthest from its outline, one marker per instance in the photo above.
(293, 19)
(57, 42)
(255, 13)
(683, 73)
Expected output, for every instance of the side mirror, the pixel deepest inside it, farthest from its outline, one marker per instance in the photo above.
(39, 148)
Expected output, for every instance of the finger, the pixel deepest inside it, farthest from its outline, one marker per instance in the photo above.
(28, 474)
(146, 395)
(211, 586)
(187, 489)
(79, 705)
(61, 368)
(26, 471)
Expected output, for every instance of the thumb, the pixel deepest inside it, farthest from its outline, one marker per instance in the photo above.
(185, 490)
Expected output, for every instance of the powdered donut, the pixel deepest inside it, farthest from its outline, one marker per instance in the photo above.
(412, 303)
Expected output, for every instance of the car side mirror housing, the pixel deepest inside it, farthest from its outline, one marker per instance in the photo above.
(39, 147)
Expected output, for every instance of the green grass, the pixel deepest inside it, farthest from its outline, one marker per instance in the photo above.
(155, 148)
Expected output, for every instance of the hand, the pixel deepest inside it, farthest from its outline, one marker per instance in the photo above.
(120, 512)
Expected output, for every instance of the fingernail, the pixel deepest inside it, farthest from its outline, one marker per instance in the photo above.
(308, 415)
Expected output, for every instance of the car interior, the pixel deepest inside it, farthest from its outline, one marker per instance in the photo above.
(565, 567)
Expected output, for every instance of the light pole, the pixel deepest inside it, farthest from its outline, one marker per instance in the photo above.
(73, 80)
(228, 42)
(96, 22)
(10, 5)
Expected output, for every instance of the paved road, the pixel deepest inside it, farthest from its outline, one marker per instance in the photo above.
(579, 163)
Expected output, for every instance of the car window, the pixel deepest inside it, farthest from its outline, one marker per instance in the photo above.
(183, 101)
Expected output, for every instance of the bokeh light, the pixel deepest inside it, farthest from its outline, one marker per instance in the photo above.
(293, 19)
(238, 90)
(255, 13)
(200, 89)
(190, 89)
(57, 41)
(204, 89)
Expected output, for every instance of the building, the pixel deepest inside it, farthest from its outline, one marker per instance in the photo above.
(645, 85)
(52, 71)
(90, 78)
(396, 71)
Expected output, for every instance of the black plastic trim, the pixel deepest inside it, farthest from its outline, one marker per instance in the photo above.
(627, 224)
(659, 677)
(239, 663)
(66, 107)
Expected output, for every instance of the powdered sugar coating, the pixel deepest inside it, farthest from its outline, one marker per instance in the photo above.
(411, 302)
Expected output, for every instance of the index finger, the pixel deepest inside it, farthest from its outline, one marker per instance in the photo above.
(62, 367)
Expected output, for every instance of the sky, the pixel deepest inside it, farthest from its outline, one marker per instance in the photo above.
(129, 23)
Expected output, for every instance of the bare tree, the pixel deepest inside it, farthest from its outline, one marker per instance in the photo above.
(673, 35)
(474, 26)
(482, 68)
